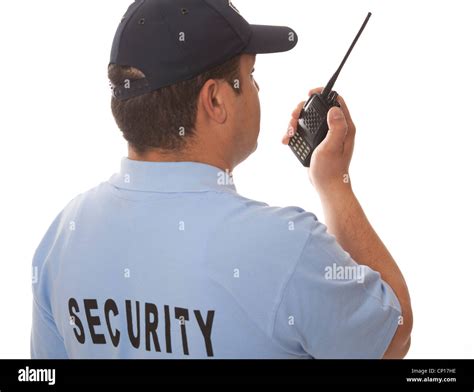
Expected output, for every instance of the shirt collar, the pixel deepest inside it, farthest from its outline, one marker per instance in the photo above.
(171, 177)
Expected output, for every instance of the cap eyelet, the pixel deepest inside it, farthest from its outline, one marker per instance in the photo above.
(141, 21)
(184, 11)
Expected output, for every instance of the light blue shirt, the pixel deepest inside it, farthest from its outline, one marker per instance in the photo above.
(167, 260)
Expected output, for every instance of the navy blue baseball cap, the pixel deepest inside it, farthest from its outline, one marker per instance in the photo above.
(175, 40)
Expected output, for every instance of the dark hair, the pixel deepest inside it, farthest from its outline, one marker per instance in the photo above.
(161, 118)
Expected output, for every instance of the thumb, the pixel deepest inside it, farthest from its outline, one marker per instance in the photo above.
(338, 128)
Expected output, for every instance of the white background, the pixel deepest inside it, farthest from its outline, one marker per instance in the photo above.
(408, 84)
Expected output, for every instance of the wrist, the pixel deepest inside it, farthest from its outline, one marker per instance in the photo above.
(340, 205)
(336, 195)
(328, 185)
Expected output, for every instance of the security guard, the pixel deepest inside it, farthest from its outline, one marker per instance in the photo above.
(167, 260)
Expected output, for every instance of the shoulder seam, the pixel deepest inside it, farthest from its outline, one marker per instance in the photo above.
(48, 316)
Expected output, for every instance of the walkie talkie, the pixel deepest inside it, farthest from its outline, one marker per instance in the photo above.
(312, 123)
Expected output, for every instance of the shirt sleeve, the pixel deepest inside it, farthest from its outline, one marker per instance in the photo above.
(46, 341)
(332, 307)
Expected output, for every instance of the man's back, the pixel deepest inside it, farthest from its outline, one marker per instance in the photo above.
(166, 260)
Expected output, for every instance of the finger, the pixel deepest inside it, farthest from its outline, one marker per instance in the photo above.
(350, 122)
(334, 141)
(290, 132)
(296, 113)
(317, 90)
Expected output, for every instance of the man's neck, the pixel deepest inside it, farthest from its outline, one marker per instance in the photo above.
(160, 156)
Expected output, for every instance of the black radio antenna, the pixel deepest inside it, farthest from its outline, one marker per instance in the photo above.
(331, 82)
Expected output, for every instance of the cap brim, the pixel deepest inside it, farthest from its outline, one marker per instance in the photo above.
(271, 39)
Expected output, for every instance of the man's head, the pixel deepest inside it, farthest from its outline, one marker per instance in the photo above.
(181, 76)
(216, 114)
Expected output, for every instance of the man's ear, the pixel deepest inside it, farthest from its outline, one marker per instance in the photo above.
(212, 102)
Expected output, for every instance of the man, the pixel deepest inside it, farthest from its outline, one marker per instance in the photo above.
(167, 260)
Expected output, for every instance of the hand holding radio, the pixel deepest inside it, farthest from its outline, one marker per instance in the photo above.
(330, 161)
